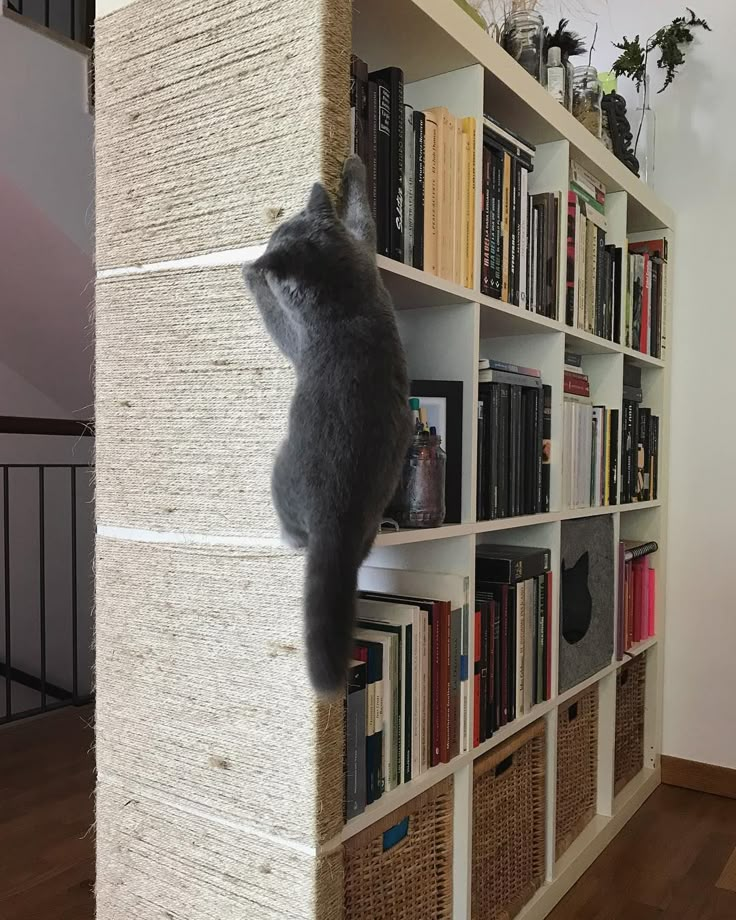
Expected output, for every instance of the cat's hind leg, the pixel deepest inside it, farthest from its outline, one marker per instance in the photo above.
(285, 494)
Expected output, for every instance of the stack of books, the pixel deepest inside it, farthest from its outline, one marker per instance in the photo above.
(514, 433)
(519, 231)
(407, 696)
(594, 268)
(646, 297)
(639, 443)
(513, 635)
(635, 616)
(590, 443)
(421, 175)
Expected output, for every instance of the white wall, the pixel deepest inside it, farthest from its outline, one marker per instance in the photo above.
(696, 140)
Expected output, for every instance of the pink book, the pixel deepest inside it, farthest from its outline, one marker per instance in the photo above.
(652, 583)
(645, 598)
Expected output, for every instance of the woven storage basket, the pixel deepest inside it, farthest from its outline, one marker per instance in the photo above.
(577, 767)
(630, 699)
(401, 867)
(508, 825)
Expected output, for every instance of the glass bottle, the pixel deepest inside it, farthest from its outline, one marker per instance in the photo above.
(645, 136)
(420, 498)
(523, 34)
(556, 75)
(586, 99)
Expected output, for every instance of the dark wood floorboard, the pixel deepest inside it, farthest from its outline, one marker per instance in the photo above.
(664, 865)
(46, 815)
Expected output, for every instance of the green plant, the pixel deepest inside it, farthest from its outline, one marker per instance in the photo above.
(669, 40)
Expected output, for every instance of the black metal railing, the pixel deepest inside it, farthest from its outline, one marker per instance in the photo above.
(73, 19)
(46, 577)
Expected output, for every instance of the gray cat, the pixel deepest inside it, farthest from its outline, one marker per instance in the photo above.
(324, 304)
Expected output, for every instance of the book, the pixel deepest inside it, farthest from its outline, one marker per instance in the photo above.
(469, 189)
(355, 740)
(390, 83)
(432, 168)
(419, 189)
(494, 364)
(409, 185)
(510, 564)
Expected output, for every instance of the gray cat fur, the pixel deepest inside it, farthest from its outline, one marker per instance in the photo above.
(324, 304)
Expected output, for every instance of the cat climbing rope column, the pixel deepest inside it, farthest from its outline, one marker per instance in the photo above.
(219, 774)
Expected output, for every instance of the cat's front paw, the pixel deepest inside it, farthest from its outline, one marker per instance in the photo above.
(353, 170)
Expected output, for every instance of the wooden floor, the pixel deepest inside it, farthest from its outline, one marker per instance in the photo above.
(665, 865)
(46, 815)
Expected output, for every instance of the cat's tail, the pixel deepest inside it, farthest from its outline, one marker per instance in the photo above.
(329, 608)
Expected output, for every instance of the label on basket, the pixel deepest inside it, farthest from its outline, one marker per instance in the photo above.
(395, 834)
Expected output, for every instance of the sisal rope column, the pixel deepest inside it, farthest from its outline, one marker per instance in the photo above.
(219, 774)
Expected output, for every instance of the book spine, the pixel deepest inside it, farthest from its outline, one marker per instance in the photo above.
(431, 194)
(523, 275)
(486, 224)
(409, 690)
(514, 228)
(514, 455)
(572, 206)
(455, 654)
(506, 646)
(494, 437)
(419, 149)
(496, 230)
(496, 679)
(458, 203)
(444, 685)
(383, 167)
(446, 218)
(479, 708)
(502, 475)
(471, 184)
(546, 446)
(372, 152)
(506, 253)
(436, 684)
(408, 185)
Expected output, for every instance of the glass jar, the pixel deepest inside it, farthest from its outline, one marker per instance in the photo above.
(586, 99)
(420, 497)
(523, 34)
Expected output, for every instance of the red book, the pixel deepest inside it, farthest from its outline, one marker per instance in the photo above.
(577, 388)
(476, 680)
(652, 607)
(436, 678)
(549, 635)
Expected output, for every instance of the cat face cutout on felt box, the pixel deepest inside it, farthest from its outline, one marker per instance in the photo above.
(586, 599)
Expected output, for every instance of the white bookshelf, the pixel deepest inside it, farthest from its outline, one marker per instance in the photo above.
(448, 60)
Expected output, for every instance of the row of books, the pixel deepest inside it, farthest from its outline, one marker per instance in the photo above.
(519, 231)
(646, 297)
(635, 615)
(514, 436)
(421, 175)
(407, 704)
(639, 443)
(513, 635)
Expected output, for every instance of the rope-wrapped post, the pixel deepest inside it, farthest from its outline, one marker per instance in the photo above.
(219, 774)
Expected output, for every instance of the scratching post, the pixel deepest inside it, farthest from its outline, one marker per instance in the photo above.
(219, 774)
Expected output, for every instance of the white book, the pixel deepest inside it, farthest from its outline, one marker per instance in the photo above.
(386, 702)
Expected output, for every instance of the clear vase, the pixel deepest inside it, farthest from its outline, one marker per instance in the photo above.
(645, 134)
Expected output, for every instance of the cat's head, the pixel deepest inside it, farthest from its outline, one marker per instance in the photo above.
(312, 260)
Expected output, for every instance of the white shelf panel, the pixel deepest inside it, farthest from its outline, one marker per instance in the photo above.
(431, 37)
(448, 531)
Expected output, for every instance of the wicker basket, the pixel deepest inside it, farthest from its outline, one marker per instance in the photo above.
(577, 767)
(401, 867)
(508, 826)
(630, 698)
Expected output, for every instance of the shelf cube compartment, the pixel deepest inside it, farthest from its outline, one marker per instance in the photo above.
(630, 710)
(400, 868)
(508, 862)
(577, 767)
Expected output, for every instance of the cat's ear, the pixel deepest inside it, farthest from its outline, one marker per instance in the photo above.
(319, 203)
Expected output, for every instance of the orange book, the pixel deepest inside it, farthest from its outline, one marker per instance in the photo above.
(469, 188)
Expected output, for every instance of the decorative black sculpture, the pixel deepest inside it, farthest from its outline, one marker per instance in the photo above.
(614, 109)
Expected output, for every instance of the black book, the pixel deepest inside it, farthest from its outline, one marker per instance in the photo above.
(512, 652)
(419, 128)
(613, 462)
(633, 394)
(617, 268)
(486, 186)
(497, 669)
(515, 448)
(390, 83)
(482, 665)
(508, 565)
(655, 306)
(553, 253)
(537, 439)
(491, 139)
(355, 753)
(546, 455)
(480, 511)
(504, 412)
(600, 282)
(529, 449)
(644, 454)
(372, 153)
(632, 375)
(655, 451)
(359, 107)
(374, 739)
(496, 221)
(498, 598)
(515, 229)
(543, 638)
(538, 210)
